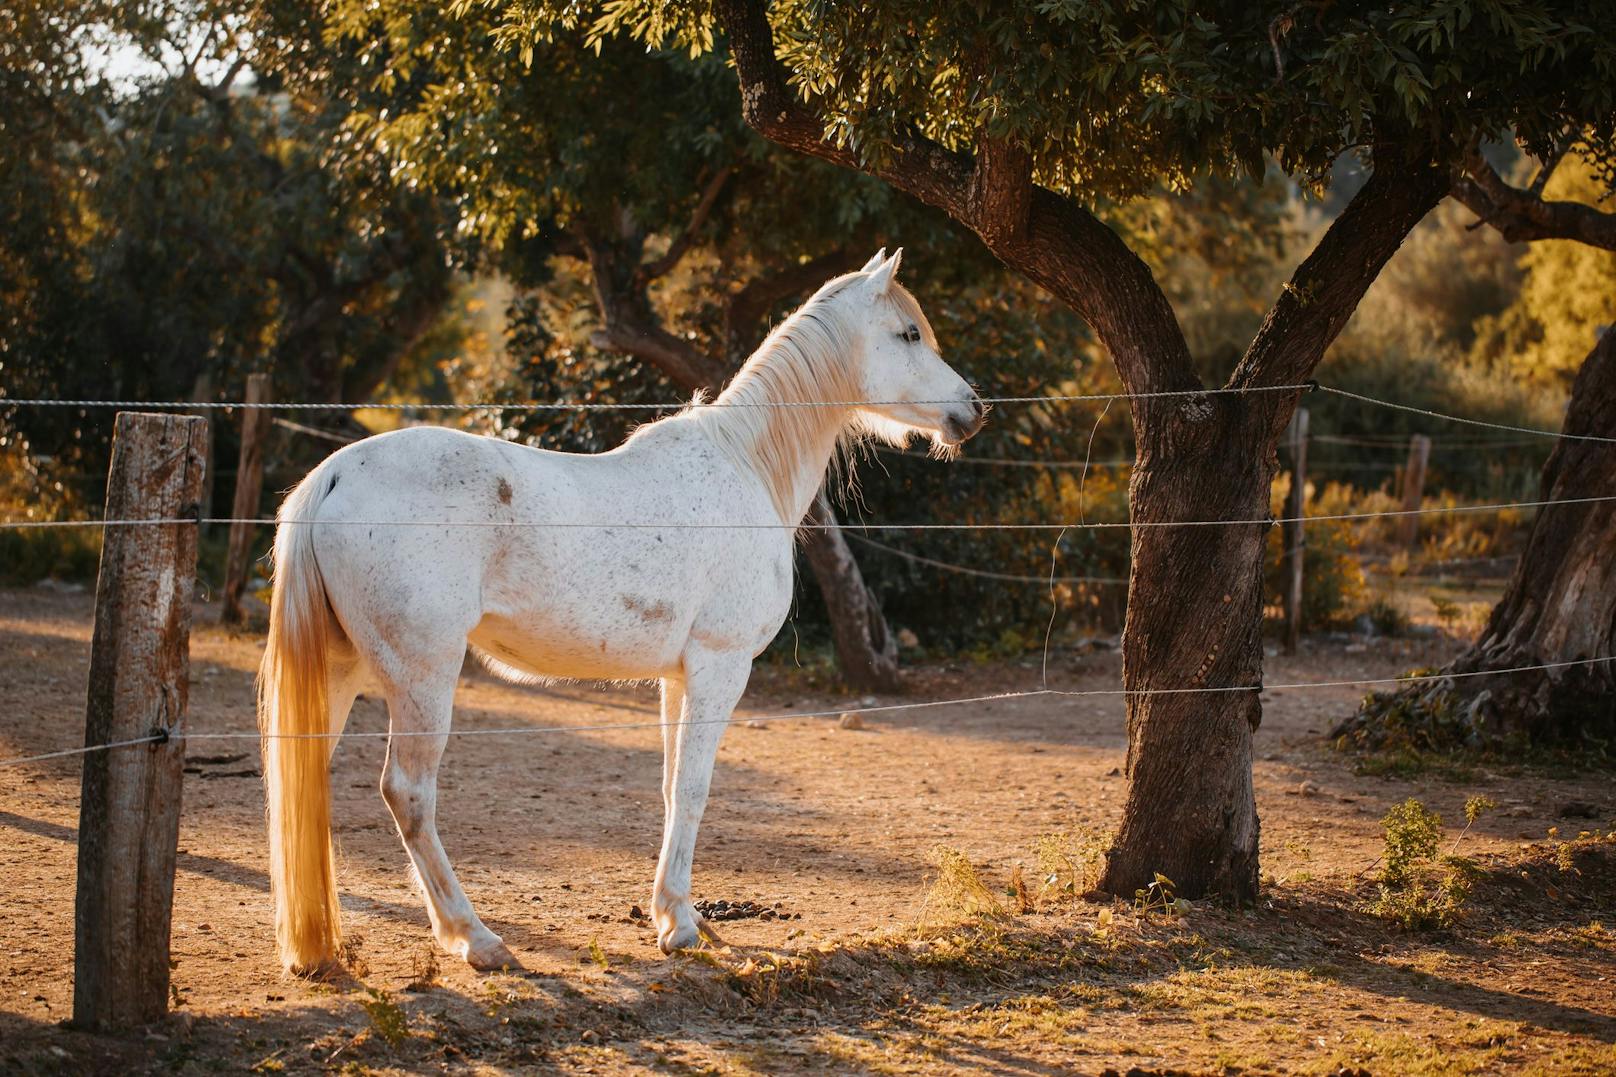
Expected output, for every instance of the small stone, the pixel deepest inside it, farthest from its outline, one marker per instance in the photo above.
(908, 639)
(1114, 772)
(1307, 789)
(1579, 809)
(851, 720)
(757, 724)
(636, 913)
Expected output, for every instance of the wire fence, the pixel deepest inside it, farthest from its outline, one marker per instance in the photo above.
(697, 525)
(853, 528)
(966, 570)
(584, 405)
(836, 712)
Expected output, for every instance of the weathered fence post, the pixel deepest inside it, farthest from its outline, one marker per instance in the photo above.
(249, 487)
(1419, 454)
(1296, 530)
(202, 393)
(129, 809)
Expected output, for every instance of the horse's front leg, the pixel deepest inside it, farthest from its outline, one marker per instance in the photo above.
(713, 685)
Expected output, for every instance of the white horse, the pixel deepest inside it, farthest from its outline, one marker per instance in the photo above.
(397, 551)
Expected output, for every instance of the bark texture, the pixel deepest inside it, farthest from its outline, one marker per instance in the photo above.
(1195, 621)
(1560, 606)
(866, 650)
(1194, 607)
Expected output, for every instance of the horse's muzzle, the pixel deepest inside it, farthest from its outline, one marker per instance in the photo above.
(961, 428)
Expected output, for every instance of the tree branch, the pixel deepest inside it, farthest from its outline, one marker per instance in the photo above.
(1320, 297)
(685, 365)
(630, 326)
(747, 307)
(1524, 216)
(1001, 189)
(650, 271)
(1550, 163)
(1062, 247)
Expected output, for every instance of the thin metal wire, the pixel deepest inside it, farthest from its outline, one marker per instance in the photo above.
(569, 405)
(924, 705)
(193, 405)
(966, 570)
(678, 526)
(88, 748)
(1000, 461)
(1469, 422)
(834, 713)
(1399, 443)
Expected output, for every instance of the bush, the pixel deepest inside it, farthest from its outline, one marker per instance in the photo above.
(30, 490)
(1421, 889)
(1332, 580)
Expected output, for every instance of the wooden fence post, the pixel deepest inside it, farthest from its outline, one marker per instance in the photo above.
(1296, 531)
(1419, 454)
(249, 488)
(129, 809)
(202, 393)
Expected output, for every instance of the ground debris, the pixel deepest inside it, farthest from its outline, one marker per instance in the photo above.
(741, 910)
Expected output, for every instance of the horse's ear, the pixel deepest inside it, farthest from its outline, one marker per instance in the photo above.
(880, 256)
(881, 276)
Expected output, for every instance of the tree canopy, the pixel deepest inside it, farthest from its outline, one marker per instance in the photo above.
(172, 225)
(1108, 98)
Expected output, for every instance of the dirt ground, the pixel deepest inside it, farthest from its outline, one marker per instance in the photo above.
(869, 968)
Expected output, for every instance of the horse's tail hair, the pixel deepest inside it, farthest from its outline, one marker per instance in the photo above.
(294, 717)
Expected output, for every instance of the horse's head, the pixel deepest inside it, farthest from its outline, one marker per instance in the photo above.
(910, 388)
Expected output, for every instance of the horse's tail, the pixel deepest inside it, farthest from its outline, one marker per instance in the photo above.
(293, 716)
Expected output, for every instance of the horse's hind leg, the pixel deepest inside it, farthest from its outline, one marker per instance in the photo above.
(419, 714)
(343, 678)
(673, 698)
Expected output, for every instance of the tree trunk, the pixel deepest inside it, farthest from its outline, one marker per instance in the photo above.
(866, 651)
(1194, 620)
(1194, 601)
(1560, 606)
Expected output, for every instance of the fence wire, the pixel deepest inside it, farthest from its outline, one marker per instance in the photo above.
(1067, 693)
(685, 525)
(849, 527)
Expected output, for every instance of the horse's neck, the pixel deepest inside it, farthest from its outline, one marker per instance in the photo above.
(788, 447)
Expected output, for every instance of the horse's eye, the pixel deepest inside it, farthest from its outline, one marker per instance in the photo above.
(912, 334)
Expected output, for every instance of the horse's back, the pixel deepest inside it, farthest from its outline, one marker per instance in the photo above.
(555, 563)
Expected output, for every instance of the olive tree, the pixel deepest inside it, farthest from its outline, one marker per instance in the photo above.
(1022, 119)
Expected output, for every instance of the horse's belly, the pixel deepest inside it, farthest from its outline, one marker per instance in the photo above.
(550, 648)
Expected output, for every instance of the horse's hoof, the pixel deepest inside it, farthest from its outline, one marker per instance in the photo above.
(321, 971)
(679, 937)
(492, 956)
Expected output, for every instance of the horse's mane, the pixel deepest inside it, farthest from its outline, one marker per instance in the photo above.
(808, 357)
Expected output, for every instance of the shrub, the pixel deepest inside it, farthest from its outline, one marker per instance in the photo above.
(1332, 579)
(30, 490)
(1421, 889)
